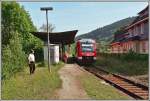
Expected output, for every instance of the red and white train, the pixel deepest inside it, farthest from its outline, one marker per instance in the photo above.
(86, 51)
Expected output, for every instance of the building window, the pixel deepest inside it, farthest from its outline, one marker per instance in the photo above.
(145, 27)
(130, 32)
(133, 31)
(139, 29)
(142, 28)
(136, 30)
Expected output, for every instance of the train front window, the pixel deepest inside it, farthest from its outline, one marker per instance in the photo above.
(87, 48)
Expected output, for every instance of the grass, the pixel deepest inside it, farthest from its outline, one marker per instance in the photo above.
(124, 66)
(98, 91)
(40, 85)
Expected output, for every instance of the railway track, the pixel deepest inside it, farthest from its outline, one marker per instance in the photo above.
(134, 89)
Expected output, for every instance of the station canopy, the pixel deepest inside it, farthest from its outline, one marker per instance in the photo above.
(57, 37)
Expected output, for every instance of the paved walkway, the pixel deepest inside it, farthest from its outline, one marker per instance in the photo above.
(71, 87)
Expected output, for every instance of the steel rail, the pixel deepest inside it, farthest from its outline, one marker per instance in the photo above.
(132, 88)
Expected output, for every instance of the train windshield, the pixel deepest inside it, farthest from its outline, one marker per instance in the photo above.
(87, 47)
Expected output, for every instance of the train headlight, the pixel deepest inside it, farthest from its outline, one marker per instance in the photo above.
(79, 57)
(94, 58)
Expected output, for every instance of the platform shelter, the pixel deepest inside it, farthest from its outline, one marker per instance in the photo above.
(60, 38)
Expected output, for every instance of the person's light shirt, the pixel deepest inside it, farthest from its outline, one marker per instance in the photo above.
(31, 58)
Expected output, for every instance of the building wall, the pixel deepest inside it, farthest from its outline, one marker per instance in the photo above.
(54, 53)
(141, 28)
(125, 47)
(146, 27)
(116, 48)
(144, 45)
(136, 46)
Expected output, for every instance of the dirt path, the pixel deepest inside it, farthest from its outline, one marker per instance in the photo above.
(71, 87)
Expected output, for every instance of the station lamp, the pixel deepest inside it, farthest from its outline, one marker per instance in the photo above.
(48, 42)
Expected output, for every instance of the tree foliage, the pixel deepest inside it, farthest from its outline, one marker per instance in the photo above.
(50, 27)
(17, 40)
(13, 57)
(120, 30)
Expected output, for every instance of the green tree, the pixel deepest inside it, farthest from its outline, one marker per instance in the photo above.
(16, 18)
(50, 27)
(17, 40)
(120, 30)
(13, 57)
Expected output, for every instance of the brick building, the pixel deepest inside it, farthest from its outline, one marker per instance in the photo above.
(135, 36)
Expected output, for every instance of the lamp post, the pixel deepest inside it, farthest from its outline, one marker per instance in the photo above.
(48, 42)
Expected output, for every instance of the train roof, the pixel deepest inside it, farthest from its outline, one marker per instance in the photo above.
(87, 40)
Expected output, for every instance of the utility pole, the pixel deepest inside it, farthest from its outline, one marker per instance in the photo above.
(48, 42)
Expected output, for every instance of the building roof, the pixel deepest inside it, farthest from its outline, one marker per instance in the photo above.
(140, 18)
(132, 38)
(145, 9)
(57, 37)
(137, 37)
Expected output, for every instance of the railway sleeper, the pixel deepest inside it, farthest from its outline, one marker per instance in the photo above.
(117, 80)
(120, 87)
(128, 92)
(130, 81)
(139, 91)
(123, 84)
(124, 79)
(133, 88)
(133, 94)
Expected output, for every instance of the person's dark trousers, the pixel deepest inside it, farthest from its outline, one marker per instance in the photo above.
(32, 67)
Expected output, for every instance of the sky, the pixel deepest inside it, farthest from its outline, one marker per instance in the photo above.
(81, 16)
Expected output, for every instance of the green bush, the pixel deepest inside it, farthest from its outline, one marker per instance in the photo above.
(17, 41)
(127, 56)
(134, 56)
(42, 64)
(13, 57)
(127, 64)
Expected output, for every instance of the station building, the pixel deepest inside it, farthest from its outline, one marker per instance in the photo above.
(136, 35)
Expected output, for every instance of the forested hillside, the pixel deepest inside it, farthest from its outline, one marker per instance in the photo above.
(17, 41)
(106, 33)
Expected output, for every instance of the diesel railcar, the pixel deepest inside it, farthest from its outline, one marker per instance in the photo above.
(85, 51)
